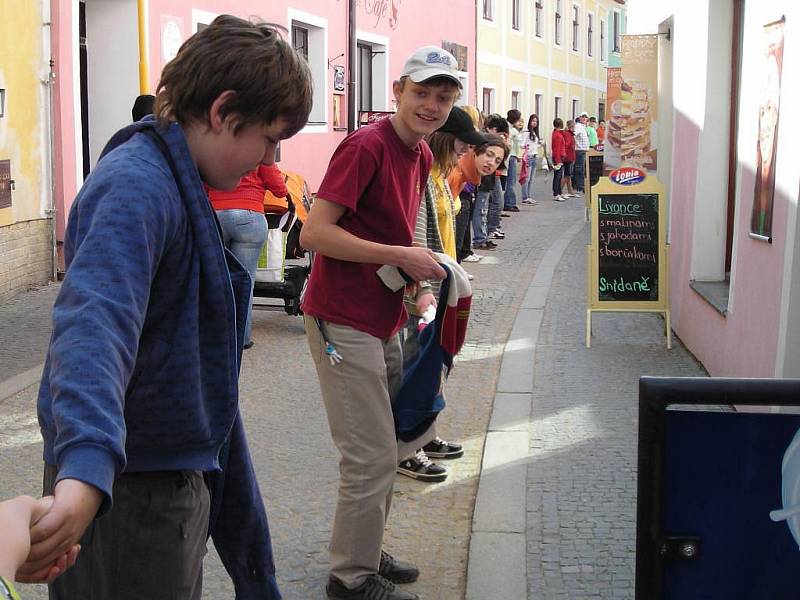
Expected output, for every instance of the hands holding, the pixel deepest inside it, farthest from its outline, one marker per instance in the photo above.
(17, 516)
(55, 534)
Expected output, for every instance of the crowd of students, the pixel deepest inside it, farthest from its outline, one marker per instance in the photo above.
(144, 444)
(568, 153)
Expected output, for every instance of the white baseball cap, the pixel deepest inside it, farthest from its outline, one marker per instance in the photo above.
(584, 114)
(428, 62)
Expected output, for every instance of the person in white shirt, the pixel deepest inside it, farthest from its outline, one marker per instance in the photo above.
(530, 144)
(581, 147)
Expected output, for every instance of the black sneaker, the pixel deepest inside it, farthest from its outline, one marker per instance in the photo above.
(374, 587)
(513, 209)
(420, 467)
(397, 571)
(438, 448)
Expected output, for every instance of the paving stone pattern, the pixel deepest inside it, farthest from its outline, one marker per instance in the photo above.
(288, 433)
(582, 471)
(25, 326)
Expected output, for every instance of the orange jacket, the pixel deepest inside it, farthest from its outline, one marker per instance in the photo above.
(465, 172)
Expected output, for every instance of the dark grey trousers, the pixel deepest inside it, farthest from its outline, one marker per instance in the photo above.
(151, 544)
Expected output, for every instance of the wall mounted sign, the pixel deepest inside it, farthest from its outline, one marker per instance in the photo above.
(460, 52)
(171, 37)
(6, 184)
(767, 144)
(338, 78)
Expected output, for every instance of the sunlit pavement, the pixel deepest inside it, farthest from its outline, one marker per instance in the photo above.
(576, 425)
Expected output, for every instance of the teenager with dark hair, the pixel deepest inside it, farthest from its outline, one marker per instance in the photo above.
(557, 154)
(514, 118)
(139, 396)
(497, 125)
(530, 144)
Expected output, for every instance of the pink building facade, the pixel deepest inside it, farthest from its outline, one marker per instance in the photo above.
(96, 45)
(735, 296)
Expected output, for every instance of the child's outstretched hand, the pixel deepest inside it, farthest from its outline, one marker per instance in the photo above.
(17, 516)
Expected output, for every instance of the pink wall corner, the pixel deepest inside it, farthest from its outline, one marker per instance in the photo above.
(65, 120)
(744, 342)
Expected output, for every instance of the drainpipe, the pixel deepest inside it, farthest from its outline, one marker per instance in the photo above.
(48, 81)
(351, 66)
(144, 60)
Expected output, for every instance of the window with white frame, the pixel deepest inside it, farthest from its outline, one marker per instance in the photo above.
(575, 108)
(590, 34)
(488, 10)
(364, 61)
(537, 105)
(515, 99)
(557, 23)
(516, 17)
(616, 30)
(487, 105)
(557, 107)
(300, 40)
(309, 39)
(372, 81)
(603, 46)
(576, 25)
(538, 15)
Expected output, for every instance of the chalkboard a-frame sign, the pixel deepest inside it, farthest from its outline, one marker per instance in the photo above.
(628, 259)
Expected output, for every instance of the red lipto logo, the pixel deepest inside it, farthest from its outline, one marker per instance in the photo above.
(627, 176)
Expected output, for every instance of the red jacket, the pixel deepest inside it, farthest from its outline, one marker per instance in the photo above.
(569, 145)
(249, 194)
(557, 147)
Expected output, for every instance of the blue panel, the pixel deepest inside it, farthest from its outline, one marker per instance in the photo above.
(722, 478)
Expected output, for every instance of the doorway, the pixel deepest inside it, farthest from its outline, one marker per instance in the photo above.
(108, 53)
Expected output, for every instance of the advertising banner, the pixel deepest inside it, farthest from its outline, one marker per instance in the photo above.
(631, 139)
(768, 111)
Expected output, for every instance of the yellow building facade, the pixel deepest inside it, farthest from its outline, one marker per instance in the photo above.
(26, 247)
(546, 57)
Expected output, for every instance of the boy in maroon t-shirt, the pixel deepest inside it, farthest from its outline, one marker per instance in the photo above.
(364, 217)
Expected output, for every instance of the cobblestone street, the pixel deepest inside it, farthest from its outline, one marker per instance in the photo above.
(581, 468)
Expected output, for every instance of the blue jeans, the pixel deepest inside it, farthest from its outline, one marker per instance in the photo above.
(527, 187)
(244, 233)
(479, 215)
(578, 172)
(511, 183)
(495, 207)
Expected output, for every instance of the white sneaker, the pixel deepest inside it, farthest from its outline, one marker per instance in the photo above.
(560, 198)
(473, 258)
(470, 276)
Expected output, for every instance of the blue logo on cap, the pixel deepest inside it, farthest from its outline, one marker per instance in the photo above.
(437, 58)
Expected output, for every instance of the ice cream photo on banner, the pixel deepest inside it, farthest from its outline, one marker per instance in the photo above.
(632, 129)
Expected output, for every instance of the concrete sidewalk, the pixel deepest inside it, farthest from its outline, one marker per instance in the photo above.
(556, 506)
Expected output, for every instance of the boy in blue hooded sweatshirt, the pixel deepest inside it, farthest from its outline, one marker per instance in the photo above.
(144, 447)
